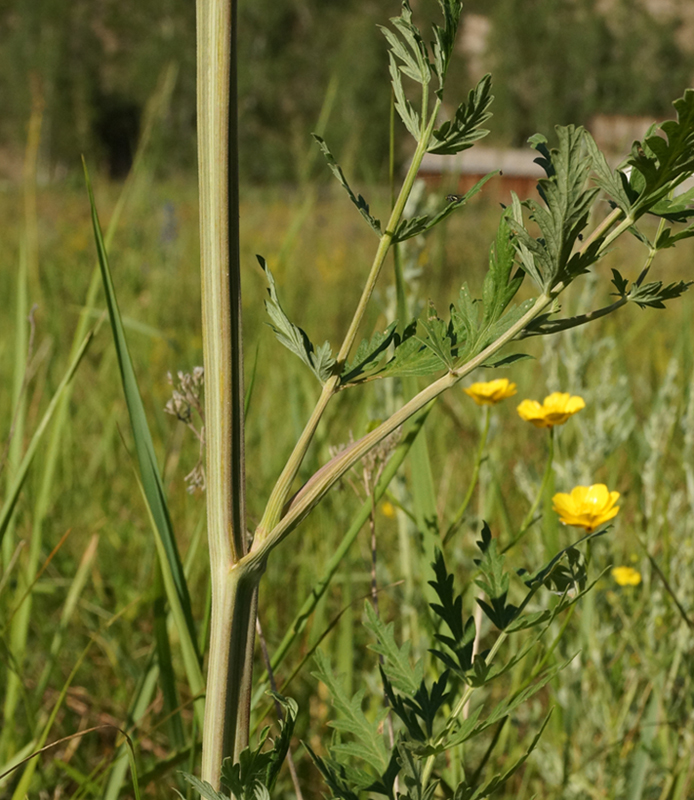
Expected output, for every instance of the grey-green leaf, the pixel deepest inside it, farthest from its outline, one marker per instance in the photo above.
(661, 163)
(358, 200)
(465, 128)
(369, 355)
(320, 361)
(396, 663)
(419, 225)
(203, 788)
(368, 744)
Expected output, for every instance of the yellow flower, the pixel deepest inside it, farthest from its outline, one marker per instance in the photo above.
(587, 506)
(626, 576)
(491, 392)
(555, 409)
(388, 509)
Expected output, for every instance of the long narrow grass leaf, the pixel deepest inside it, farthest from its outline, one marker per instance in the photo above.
(149, 469)
(189, 651)
(167, 675)
(22, 788)
(21, 474)
(73, 595)
(141, 703)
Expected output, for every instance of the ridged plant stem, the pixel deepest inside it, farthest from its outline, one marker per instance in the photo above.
(233, 587)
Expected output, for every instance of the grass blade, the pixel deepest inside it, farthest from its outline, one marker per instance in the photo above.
(21, 474)
(152, 485)
(167, 677)
(74, 593)
(141, 703)
(21, 791)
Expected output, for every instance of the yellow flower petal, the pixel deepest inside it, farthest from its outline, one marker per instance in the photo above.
(491, 392)
(586, 507)
(555, 410)
(626, 576)
(531, 411)
(388, 509)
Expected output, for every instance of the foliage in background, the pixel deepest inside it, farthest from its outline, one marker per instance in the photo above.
(165, 731)
(560, 61)
(626, 699)
(95, 65)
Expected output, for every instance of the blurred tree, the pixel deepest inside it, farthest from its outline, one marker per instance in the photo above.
(560, 61)
(98, 61)
(289, 51)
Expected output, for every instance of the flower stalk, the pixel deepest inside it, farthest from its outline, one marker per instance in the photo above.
(460, 513)
(529, 518)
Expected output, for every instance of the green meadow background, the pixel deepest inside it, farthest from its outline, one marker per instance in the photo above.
(78, 556)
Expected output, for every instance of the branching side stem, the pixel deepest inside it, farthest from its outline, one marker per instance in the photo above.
(282, 488)
(316, 488)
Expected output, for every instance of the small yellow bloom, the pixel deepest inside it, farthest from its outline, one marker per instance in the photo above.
(587, 506)
(388, 509)
(626, 576)
(491, 392)
(555, 409)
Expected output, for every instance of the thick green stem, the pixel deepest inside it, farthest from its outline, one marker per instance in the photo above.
(221, 283)
(228, 700)
(233, 587)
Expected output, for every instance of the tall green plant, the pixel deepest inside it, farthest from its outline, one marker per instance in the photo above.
(471, 337)
(551, 242)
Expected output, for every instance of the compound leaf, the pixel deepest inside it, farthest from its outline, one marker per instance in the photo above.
(439, 337)
(396, 659)
(358, 200)
(664, 158)
(321, 361)
(369, 354)
(450, 610)
(465, 129)
(676, 209)
(411, 357)
(614, 184)
(368, 742)
(654, 295)
(669, 239)
(499, 287)
(203, 788)
(444, 39)
(407, 56)
(564, 215)
(416, 226)
(403, 106)
(336, 775)
(494, 582)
